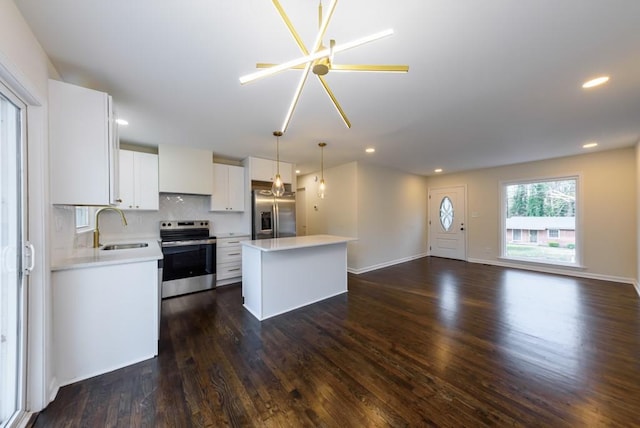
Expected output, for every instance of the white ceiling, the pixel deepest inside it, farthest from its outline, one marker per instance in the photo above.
(490, 83)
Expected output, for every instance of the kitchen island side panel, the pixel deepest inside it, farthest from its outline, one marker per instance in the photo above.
(252, 280)
(295, 278)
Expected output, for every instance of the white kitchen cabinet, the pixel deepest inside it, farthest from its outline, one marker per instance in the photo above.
(229, 259)
(138, 181)
(266, 170)
(228, 188)
(104, 318)
(83, 146)
(185, 170)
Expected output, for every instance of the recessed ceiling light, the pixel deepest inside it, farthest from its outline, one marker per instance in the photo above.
(437, 170)
(595, 82)
(370, 150)
(122, 122)
(297, 171)
(589, 145)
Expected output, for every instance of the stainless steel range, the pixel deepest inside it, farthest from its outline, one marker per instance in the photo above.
(189, 253)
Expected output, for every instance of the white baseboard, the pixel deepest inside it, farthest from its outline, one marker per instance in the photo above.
(54, 387)
(557, 271)
(636, 285)
(385, 264)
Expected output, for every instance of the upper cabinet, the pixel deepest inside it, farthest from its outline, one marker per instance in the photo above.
(138, 181)
(266, 169)
(83, 146)
(228, 188)
(185, 170)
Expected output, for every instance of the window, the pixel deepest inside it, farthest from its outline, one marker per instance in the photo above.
(532, 208)
(84, 218)
(517, 234)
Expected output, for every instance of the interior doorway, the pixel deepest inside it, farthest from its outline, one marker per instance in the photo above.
(301, 212)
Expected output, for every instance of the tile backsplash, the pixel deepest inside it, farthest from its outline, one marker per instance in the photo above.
(145, 224)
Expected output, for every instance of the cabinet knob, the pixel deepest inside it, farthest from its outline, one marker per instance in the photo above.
(119, 200)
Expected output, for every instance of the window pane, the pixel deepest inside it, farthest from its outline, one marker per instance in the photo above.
(82, 217)
(540, 224)
(446, 213)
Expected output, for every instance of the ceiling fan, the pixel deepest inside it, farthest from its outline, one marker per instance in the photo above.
(320, 60)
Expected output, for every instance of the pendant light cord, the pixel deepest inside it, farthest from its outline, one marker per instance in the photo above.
(277, 134)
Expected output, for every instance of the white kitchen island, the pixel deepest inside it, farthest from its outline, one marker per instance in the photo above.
(282, 274)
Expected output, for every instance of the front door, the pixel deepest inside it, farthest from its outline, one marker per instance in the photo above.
(447, 223)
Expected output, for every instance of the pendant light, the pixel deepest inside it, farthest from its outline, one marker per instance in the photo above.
(322, 187)
(277, 188)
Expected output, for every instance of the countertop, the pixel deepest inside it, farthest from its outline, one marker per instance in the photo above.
(281, 244)
(95, 257)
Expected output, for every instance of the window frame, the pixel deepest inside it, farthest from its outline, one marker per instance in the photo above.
(557, 233)
(87, 226)
(577, 264)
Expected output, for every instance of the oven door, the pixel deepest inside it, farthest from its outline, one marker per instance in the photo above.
(188, 268)
(188, 261)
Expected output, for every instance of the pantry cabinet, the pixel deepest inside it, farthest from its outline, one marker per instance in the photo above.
(228, 188)
(138, 181)
(83, 141)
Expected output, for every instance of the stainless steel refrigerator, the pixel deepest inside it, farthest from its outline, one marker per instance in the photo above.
(273, 217)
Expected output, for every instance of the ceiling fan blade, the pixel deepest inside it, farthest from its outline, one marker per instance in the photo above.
(335, 101)
(296, 97)
(324, 24)
(368, 67)
(270, 64)
(312, 57)
(307, 59)
(290, 26)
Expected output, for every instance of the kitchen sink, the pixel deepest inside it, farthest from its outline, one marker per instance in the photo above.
(125, 246)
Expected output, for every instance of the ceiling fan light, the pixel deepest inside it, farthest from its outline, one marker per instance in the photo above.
(595, 82)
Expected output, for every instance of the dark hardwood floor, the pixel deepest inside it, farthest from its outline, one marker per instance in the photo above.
(432, 342)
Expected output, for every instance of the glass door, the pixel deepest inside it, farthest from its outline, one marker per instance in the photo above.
(12, 255)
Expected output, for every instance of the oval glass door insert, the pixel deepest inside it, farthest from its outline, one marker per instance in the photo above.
(446, 213)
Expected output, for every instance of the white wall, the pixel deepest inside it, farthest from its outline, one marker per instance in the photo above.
(336, 214)
(608, 210)
(24, 67)
(384, 208)
(392, 214)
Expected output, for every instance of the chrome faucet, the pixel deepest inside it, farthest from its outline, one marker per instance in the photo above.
(96, 231)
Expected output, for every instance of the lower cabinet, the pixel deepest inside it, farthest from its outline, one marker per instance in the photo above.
(104, 318)
(229, 259)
